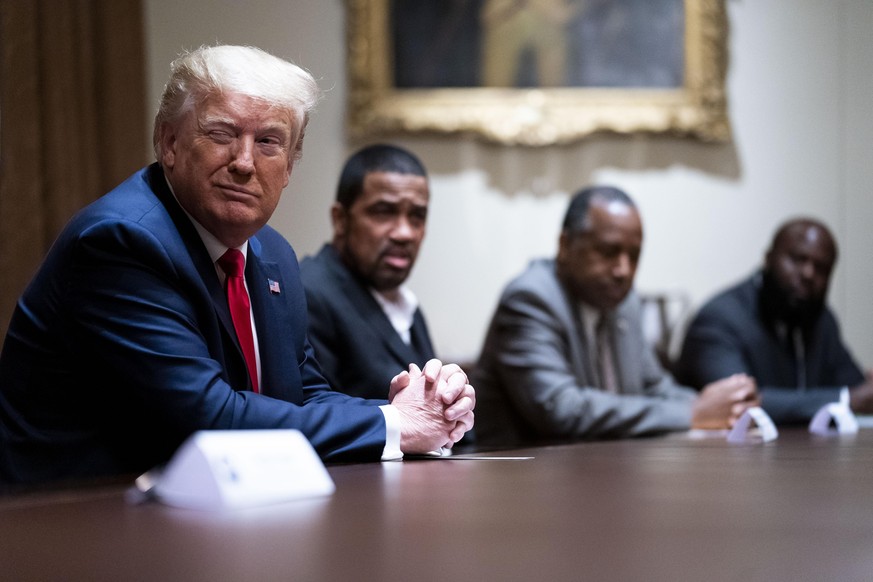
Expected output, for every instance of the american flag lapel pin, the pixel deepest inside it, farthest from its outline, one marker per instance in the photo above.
(274, 287)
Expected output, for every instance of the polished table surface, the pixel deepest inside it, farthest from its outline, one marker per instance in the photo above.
(671, 508)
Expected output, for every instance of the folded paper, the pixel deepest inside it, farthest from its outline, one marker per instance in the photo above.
(834, 418)
(740, 433)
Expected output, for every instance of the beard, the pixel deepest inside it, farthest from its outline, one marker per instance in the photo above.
(376, 274)
(778, 303)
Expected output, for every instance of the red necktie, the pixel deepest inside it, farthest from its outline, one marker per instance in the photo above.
(233, 264)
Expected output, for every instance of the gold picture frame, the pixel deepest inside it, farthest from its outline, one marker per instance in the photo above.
(537, 116)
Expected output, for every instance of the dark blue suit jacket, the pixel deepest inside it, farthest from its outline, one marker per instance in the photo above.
(358, 348)
(123, 345)
(730, 335)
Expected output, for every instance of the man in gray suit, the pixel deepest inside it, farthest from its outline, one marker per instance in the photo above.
(565, 357)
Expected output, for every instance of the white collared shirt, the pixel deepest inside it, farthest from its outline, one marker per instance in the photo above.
(400, 312)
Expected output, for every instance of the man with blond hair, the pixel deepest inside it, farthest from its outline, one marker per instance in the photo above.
(168, 306)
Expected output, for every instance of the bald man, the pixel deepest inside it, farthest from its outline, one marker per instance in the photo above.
(776, 327)
(565, 357)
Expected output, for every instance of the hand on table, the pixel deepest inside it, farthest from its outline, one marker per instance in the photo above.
(435, 404)
(722, 402)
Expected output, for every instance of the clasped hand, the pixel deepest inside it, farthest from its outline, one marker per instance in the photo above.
(722, 402)
(435, 405)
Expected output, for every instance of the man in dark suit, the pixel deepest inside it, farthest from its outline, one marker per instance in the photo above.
(126, 341)
(364, 322)
(777, 327)
(565, 357)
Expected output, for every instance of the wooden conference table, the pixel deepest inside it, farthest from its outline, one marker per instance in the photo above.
(672, 508)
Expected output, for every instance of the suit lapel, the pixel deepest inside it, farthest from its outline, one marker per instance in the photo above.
(371, 313)
(266, 287)
(196, 250)
(627, 349)
(235, 365)
(420, 339)
(568, 312)
(376, 319)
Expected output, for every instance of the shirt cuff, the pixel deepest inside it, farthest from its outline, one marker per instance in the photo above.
(392, 451)
(844, 396)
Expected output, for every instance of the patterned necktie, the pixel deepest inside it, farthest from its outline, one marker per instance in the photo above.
(233, 264)
(605, 362)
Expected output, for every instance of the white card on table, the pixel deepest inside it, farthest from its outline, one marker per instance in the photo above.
(242, 468)
(842, 416)
(740, 432)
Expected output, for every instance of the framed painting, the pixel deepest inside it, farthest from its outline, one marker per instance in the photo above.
(537, 72)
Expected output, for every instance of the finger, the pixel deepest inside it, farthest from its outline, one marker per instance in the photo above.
(398, 383)
(467, 421)
(450, 369)
(470, 393)
(454, 378)
(463, 391)
(454, 387)
(461, 428)
(463, 406)
(737, 410)
(401, 379)
(432, 370)
(740, 379)
(743, 393)
(414, 369)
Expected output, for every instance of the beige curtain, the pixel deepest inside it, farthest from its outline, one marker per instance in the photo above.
(72, 120)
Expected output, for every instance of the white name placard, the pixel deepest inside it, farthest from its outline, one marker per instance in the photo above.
(740, 432)
(837, 414)
(242, 468)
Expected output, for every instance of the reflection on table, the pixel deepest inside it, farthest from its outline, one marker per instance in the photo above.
(671, 508)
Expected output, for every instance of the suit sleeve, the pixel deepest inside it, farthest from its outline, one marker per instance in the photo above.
(533, 364)
(716, 346)
(135, 316)
(840, 365)
(791, 406)
(656, 380)
(712, 349)
(322, 328)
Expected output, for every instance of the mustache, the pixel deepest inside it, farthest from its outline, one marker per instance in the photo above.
(403, 250)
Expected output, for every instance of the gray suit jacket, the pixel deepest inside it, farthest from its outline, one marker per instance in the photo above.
(535, 378)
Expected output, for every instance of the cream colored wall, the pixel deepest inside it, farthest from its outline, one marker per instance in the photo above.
(800, 84)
